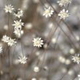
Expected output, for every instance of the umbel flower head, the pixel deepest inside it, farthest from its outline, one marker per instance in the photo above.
(8, 40)
(8, 8)
(48, 11)
(18, 32)
(22, 59)
(18, 24)
(63, 14)
(37, 42)
(76, 58)
(5, 38)
(63, 2)
(19, 13)
(11, 42)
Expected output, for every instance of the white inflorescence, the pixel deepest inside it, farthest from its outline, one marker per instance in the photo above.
(8, 40)
(19, 13)
(8, 8)
(22, 59)
(76, 58)
(63, 14)
(37, 42)
(5, 39)
(63, 2)
(48, 11)
(18, 28)
(18, 32)
(18, 24)
(11, 42)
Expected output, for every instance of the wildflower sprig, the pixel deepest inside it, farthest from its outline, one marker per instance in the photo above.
(8, 40)
(48, 11)
(76, 58)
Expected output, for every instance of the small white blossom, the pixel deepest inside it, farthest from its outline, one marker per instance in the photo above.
(22, 59)
(63, 14)
(18, 24)
(8, 40)
(76, 58)
(19, 13)
(8, 8)
(48, 11)
(11, 42)
(37, 42)
(18, 32)
(63, 2)
(5, 38)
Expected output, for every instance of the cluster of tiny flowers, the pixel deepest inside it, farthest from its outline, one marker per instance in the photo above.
(19, 13)
(8, 40)
(38, 42)
(17, 24)
(22, 59)
(18, 28)
(48, 11)
(9, 8)
(63, 14)
(63, 2)
(76, 58)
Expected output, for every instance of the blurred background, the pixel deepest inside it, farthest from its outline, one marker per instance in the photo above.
(53, 61)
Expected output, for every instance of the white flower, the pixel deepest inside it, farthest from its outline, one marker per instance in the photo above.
(76, 58)
(11, 42)
(18, 24)
(8, 40)
(63, 2)
(48, 11)
(5, 38)
(37, 42)
(63, 14)
(8, 8)
(22, 59)
(1, 49)
(18, 32)
(19, 13)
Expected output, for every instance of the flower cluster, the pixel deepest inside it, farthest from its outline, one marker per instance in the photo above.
(48, 11)
(9, 8)
(63, 2)
(22, 59)
(63, 14)
(19, 13)
(8, 40)
(18, 28)
(38, 42)
(76, 58)
(18, 23)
